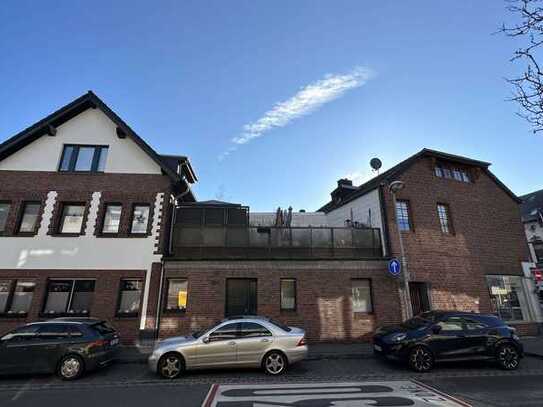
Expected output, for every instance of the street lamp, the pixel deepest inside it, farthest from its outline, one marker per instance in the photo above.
(395, 187)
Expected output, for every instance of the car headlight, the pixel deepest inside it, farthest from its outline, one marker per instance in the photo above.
(398, 337)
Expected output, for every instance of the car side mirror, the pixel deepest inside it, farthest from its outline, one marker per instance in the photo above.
(436, 329)
(206, 339)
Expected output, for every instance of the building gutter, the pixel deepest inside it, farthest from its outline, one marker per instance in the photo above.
(170, 239)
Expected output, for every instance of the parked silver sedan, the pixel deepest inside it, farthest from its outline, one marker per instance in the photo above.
(234, 342)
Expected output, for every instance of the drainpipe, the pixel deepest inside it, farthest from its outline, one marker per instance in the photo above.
(162, 270)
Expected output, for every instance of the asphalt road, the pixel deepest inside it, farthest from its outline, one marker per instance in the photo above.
(480, 384)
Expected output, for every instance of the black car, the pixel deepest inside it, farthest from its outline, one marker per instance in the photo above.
(437, 336)
(66, 346)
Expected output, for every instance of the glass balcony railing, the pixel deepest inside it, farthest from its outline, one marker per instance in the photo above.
(248, 242)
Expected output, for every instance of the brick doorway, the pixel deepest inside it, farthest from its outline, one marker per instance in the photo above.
(420, 301)
(240, 296)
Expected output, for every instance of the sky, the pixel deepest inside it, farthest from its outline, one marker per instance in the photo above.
(274, 101)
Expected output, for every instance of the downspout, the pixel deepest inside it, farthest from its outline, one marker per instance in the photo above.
(170, 248)
(387, 246)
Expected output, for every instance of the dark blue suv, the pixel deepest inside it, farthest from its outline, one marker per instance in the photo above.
(437, 336)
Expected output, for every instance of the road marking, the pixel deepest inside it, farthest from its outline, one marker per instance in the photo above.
(372, 393)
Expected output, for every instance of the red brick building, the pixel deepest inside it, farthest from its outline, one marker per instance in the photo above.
(88, 227)
(84, 217)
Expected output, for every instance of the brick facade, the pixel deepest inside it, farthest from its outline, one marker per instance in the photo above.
(323, 290)
(488, 236)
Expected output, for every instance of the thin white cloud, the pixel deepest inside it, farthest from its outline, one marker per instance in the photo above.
(305, 101)
(358, 177)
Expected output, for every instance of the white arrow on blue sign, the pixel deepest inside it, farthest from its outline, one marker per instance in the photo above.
(394, 267)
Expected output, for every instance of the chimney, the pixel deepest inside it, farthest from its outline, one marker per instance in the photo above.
(344, 181)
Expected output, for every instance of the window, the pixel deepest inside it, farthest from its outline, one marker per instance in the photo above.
(507, 297)
(402, 215)
(288, 294)
(177, 295)
(112, 218)
(29, 218)
(69, 297)
(4, 212)
(83, 158)
(140, 219)
(473, 324)
(361, 296)
(71, 220)
(129, 297)
(53, 331)
(451, 324)
(443, 214)
(25, 332)
(16, 296)
(438, 172)
(253, 330)
(456, 173)
(225, 332)
(538, 250)
(465, 176)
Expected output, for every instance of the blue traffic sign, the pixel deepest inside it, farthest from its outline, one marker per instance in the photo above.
(394, 267)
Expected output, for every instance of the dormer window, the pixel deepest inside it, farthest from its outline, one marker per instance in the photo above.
(452, 172)
(83, 158)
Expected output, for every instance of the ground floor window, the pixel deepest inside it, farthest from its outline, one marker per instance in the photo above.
(361, 295)
(288, 294)
(129, 297)
(16, 296)
(508, 297)
(72, 297)
(176, 299)
(241, 296)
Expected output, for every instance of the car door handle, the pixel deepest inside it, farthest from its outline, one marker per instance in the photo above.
(231, 343)
(264, 340)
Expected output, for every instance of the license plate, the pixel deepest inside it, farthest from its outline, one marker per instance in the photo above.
(114, 342)
(377, 348)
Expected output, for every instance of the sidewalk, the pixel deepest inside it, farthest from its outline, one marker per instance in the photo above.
(533, 346)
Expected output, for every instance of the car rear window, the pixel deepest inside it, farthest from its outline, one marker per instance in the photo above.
(103, 328)
(279, 325)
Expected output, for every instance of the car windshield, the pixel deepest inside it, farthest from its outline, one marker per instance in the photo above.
(417, 322)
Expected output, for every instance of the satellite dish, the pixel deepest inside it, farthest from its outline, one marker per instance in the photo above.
(375, 163)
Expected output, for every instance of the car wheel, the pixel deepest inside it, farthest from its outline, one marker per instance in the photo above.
(275, 363)
(71, 367)
(508, 357)
(421, 359)
(171, 366)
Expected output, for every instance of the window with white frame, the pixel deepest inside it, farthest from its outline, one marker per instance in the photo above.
(129, 296)
(176, 299)
(71, 219)
(112, 218)
(140, 219)
(402, 215)
(69, 297)
(508, 297)
(361, 295)
(29, 217)
(444, 216)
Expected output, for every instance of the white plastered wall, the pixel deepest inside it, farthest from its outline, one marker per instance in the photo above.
(90, 127)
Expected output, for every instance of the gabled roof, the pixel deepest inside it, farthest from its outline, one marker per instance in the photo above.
(79, 105)
(531, 204)
(393, 172)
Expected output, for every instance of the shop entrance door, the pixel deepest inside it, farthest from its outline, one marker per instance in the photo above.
(240, 296)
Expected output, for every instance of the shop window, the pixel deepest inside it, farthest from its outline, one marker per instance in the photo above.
(288, 294)
(4, 212)
(140, 219)
(402, 215)
(16, 296)
(129, 297)
(508, 297)
(361, 295)
(83, 158)
(29, 217)
(112, 218)
(72, 297)
(71, 220)
(176, 299)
